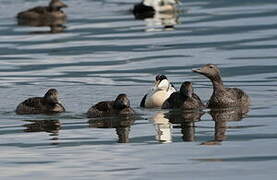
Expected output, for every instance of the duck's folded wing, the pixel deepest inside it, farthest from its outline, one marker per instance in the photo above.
(33, 102)
(104, 106)
(142, 103)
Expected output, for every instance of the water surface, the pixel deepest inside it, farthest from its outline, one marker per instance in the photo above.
(104, 51)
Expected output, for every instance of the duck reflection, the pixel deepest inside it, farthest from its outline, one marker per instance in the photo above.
(55, 25)
(122, 125)
(163, 128)
(157, 14)
(186, 119)
(50, 126)
(221, 117)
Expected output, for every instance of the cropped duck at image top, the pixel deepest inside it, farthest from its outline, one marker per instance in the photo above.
(47, 104)
(156, 96)
(151, 6)
(52, 11)
(120, 106)
(222, 97)
(185, 99)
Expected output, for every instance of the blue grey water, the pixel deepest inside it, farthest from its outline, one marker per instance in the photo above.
(105, 51)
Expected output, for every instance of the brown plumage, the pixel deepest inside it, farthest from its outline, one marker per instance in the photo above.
(52, 11)
(47, 104)
(184, 99)
(222, 97)
(120, 106)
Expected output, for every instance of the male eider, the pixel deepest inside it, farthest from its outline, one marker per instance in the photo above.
(147, 8)
(50, 12)
(222, 97)
(158, 94)
(120, 106)
(47, 104)
(184, 99)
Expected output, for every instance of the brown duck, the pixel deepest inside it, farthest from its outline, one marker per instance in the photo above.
(120, 106)
(52, 11)
(47, 104)
(222, 97)
(185, 99)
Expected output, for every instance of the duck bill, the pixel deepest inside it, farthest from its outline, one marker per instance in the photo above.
(197, 71)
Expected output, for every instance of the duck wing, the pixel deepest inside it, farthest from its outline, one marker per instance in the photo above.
(105, 106)
(35, 102)
(142, 103)
(39, 9)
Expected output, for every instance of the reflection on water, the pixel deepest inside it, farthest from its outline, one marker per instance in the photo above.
(186, 121)
(55, 25)
(221, 117)
(121, 124)
(160, 20)
(50, 126)
(163, 128)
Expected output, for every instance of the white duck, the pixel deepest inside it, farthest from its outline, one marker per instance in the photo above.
(157, 95)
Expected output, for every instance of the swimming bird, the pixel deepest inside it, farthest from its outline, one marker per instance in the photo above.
(222, 97)
(120, 106)
(47, 104)
(52, 11)
(158, 94)
(147, 8)
(184, 99)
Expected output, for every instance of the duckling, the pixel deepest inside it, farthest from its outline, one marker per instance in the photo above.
(158, 94)
(185, 98)
(120, 106)
(52, 11)
(47, 104)
(222, 97)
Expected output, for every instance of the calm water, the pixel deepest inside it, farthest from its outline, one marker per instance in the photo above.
(104, 51)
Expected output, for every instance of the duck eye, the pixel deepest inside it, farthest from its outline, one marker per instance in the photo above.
(211, 67)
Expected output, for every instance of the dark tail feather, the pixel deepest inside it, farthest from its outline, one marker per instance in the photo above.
(142, 103)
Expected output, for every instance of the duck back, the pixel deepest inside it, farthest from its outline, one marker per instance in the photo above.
(37, 105)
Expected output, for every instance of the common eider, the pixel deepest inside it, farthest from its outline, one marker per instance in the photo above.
(120, 106)
(158, 94)
(147, 8)
(185, 99)
(222, 97)
(47, 104)
(50, 12)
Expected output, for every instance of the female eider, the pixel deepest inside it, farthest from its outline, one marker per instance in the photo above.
(158, 94)
(47, 104)
(120, 106)
(222, 97)
(185, 99)
(52, 11)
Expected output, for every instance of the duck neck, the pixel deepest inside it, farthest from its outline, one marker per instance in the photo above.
(217, 83)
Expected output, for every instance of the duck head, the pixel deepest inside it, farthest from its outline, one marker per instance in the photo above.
(57, 5)
(52, 96)
(211, 71)
(121, 102)
(186, 89)
(161, 82)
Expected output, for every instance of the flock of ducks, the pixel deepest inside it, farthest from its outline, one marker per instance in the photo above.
(54, 17)
(163, 94)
